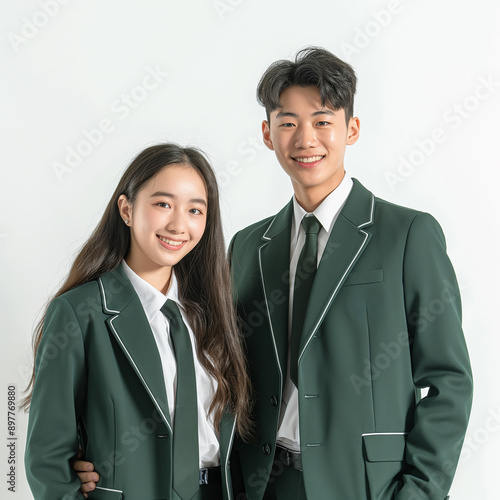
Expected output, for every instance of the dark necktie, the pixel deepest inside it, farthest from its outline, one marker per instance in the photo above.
(185, 447)
(304, 278)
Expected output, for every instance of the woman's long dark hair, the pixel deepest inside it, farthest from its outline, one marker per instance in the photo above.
(203, 277)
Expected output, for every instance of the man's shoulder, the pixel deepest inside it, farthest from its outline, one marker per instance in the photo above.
(264, 229)
(257, 229)
(363, 207)
(392, 221)
(387, 210)
(388, 207)
(385, 217)
(249, 238)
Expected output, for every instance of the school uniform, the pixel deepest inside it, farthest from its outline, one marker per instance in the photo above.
(106, 377)
(383, 320)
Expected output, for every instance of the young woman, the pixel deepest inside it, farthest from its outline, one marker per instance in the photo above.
(138, 360)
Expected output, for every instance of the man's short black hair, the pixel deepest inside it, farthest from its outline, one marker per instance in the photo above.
(334, 78)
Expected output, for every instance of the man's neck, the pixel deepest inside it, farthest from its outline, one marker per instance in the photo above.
(310, 198)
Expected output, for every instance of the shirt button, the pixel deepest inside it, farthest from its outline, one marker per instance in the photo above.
(266, 449)
(274, 400)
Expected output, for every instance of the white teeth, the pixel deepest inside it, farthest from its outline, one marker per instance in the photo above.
(311, 159)
(171, 242)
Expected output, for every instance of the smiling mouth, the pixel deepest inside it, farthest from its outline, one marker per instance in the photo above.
(308, 159)
(173, 243)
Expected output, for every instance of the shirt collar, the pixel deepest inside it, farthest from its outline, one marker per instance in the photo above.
(152, 300)
(328, 210)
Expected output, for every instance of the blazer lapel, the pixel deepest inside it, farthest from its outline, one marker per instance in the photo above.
(130, 327)
(347, 242)
(226, 438)
(274, 261)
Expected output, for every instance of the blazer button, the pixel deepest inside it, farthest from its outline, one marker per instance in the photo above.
(266, 449)
(274, 400)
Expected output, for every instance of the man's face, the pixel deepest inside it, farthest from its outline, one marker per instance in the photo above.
(309, 141)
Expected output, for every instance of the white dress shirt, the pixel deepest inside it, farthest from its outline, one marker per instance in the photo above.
(152, 300)
(326, 213)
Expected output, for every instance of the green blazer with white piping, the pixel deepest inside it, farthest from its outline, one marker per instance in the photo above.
(383, 321)
(99, 381)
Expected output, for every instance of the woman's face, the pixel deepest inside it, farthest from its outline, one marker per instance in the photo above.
(167, 220)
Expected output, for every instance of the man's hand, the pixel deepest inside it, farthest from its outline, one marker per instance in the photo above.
(87, 475)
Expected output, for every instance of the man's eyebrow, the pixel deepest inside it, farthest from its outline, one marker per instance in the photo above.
(326, 111)
(281, 114)
(171, 195)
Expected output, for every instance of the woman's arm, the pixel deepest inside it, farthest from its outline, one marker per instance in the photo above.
(56, 405)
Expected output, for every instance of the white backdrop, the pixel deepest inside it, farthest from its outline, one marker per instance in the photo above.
(88, 84)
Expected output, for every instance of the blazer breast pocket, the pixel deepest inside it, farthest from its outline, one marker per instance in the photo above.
(364, 277)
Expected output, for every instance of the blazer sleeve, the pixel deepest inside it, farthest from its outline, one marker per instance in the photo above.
(439, 361)
(56, 405)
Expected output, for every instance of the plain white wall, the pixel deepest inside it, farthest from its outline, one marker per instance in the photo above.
(428, 100)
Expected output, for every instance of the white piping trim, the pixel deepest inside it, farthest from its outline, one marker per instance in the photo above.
(226, 465)
(108, 489)
(341, 280)
(385, 434)
(333, 296)
(139, 373)
(371, 214)
(104, 298)
(267, 230)
(269, 314)
(267, 305)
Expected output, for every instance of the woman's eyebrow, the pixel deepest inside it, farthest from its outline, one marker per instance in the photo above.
(171, 195)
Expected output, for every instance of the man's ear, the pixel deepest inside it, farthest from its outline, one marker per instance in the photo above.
(353, 130)
(266, 135)
(125, 209)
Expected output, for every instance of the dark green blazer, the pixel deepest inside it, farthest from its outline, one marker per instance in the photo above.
(99, 375)
(384, 319)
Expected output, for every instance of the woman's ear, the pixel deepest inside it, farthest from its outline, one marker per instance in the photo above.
(125, 209)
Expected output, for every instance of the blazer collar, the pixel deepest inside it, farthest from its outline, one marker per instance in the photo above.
(280, 223)
(116, 291)
(360, 205)
(130, 327)
(348, 240)
(274, 262)
(358, 209)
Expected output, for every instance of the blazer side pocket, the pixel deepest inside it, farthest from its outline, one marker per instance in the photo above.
(384, 463)
(364, 277)
(101, 493)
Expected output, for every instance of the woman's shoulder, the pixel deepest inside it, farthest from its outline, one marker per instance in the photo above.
(85, 294)
(113, 287)
(104, 295)
(79, 306)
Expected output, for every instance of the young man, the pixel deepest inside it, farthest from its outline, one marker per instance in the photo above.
(349, 306)
(341, 338)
